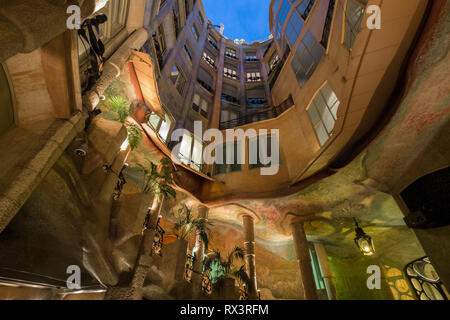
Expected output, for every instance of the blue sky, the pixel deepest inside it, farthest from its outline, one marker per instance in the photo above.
(243, 19)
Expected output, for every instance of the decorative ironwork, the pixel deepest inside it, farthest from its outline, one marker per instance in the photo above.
(425, 281)
(205, 85)
(243, 293)
(189, 268)
(158, 240)
(260, 115)
(206, 284)
(120, 183)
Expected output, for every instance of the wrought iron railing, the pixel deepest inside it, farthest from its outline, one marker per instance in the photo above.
(228, 98)
(205, 85)
(158, 240)
(243, 294)
(207, 287)
(267, 113)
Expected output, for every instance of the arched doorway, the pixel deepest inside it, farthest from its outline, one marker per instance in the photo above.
(427, 201)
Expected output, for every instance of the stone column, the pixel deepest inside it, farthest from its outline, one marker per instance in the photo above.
(304, 260)
(198, 256)
(249, 248)
(325, 270)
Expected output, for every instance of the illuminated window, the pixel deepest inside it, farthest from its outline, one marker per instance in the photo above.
(200, 105)
(191, 151)
(230, 73)
(162, 127)
(230, 53)
(323, 113)
(253, 76)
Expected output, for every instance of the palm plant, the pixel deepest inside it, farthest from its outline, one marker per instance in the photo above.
(120, 106)
(159, 178)
(186, 224)
(227, 266)
(134, 135)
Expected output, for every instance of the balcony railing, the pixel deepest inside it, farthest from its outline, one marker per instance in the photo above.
(197, 108)
(205, 85)
(231, 75)
(267, 113)
(228, 98)
(210, 61)
(213, 44)
(232, 56)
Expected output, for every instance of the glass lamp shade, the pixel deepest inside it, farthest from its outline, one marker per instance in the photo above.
(364, 242)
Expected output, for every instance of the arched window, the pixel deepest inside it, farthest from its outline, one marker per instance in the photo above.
(6, 104)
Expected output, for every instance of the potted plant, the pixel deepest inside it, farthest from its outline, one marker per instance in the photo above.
(226, 272)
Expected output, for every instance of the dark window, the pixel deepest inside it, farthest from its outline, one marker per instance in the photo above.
(293, 29)
(307, 58)
(327, 26)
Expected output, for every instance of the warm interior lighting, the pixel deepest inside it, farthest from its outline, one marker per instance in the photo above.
(363, 241)
(155, 204)
(125, 145)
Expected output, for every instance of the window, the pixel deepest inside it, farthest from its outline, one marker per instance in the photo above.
(294, 27)
(274, 60)
(195, 32)
(254, 145)
(232, 156)
(230, 53)
(200, 105)
(161, 38)
(323, 113)
(307, 58)
(187, 52)
(251, 56)
(256, 102)
(228, 115)
(253, 76)
(213, 42)
(282, 14)
(327, 25)
(178, 79)
(191, 152)
(425, 281)
(354, 14)
(162, 127)
(208, 58)
(200, 18)
(305, 8)
(230, 73)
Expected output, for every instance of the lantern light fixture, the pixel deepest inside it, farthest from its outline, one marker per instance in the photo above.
(363, 241)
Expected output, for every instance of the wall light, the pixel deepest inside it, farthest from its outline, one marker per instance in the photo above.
(363, 241)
